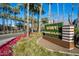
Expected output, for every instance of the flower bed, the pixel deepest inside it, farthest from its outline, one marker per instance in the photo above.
(5, 49)
(27, 47)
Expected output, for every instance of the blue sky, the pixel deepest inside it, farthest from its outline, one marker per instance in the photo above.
(67, 9)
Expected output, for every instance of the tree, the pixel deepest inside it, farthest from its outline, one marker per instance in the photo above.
(27, 19)
(4, 8)
(16, 11)
(26, 9)
(39, 11)
(5, 15)
(10, 17)
(71, 16)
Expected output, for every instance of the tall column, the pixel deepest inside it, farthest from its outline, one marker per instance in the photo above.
(68, 36)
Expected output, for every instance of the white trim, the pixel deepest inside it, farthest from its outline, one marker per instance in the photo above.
(66, 27)
(68, 32)
(68, 35)
(67, 40)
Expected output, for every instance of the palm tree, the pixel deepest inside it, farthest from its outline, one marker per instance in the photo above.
(25, 7)
(3, 15)
(7, 17)
(12, 20)
(30, 9)
(3, 22)
(10, 12)
(16, 11)
(40, 7)
(39, 11)
(33, 11)
(5, 8)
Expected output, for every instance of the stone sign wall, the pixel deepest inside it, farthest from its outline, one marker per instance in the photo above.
(53, 29)
(66, 32)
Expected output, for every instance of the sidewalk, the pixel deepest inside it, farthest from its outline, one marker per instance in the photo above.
(56, 48)
(2, 42)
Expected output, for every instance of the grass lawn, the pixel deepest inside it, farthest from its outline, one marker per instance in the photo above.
(29, 47)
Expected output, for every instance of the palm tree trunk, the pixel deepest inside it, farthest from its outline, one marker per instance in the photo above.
(38, 24)
(28, 20)
(40, 18)
(3, 21)
(15, 24)
(24, 20)
(7, 20)
(49, 12)
(11, 26)
(7, 25)
(32, 22)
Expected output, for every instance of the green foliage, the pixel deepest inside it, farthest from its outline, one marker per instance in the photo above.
(29, 47)
(76, 30)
